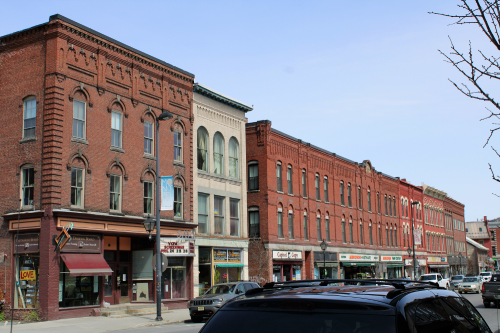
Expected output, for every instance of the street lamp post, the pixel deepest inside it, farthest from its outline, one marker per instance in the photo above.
(413, 234)
(165, 115)
(460, 256)
(323, 247)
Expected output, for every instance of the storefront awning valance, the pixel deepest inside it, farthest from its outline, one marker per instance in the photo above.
(395, 265)
(358, 264)
(328, 264)
(229, 265)
(442, 265)
(86, 264)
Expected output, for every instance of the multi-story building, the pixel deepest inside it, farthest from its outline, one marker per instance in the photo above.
(219, 188)
(455, 235)
(300, 196)
(479, 231)
(78, 113)
(494, 226)
(477, 257)
(409, 194)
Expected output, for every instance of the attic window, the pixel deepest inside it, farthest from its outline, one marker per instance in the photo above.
(480, 229)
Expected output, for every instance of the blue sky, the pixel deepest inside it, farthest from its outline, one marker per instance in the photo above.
(362, 79)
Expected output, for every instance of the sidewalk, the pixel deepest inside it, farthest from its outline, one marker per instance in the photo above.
(97, 324)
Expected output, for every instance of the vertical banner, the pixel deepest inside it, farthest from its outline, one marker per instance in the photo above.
(418, 237)
(167, 193)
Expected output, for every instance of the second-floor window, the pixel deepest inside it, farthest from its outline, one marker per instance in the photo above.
(325, 188)
(316, 185)
(115, 193)
(202, 155)
(371, 234)
(289, 179)
(318, 228)
(327, 228)
(279, 178)
(148, 197)
(178, 201)
(203, 209)
(77, 187)
(178, 146)
(306, 234)
(78, 119)
(148, 138)
(361, 240)
(290, 225)
(369, 199)
(349, 197)
(116, 129)
(351, 235)
(360, 200)
(343, 231)
(304, 186)
(27, 185)
(219, 215)
(234, 212)
(280, 224)
(234, 165)
(342, 202)
(253, 176)
(218, 154)
(29, 123)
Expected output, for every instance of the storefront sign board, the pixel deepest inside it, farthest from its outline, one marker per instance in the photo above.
(220, 255)
(436, 260)
(27, 243)
(392, 258)
(174, 247)
(287, 255)
(27, 275)
(420, 262)
(234, 256)
(358, 257)
(83, 244)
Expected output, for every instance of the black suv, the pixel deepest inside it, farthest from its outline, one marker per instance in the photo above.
(348, 306)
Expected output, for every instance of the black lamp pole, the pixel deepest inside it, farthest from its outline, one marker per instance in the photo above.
(413, 234)
(323, 247)
(164, 116)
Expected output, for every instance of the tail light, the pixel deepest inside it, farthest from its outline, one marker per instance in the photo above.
(482, 288)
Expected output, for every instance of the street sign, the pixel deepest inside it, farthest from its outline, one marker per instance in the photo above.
(164, 263)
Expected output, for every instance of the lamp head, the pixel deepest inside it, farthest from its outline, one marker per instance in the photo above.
(323, 245)
(149, 225)
(165, 116)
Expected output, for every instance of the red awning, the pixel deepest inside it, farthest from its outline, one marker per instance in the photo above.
(86, 264)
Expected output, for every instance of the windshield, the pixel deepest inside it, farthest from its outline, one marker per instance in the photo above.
(221, 289)
(428, 277)
(251, 321)
(457, 277)
(470, 279)
(485, 274)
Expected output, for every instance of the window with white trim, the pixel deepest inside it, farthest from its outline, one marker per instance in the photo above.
(29, 121)
(148, 197)
(77, 182)
(116, 129)
(177, 201)
(27, 185)
(178, 146)
(234, 212)
(79, 115)
(234, 165)
(218, 154)
(148, 138)
(115, 191)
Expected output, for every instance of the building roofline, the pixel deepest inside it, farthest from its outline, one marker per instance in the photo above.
(476, 244)
(217, 96)
(100, 35)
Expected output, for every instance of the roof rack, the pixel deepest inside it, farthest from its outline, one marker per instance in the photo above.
(399, 285)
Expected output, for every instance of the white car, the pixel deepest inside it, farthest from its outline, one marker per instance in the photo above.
(486, 276)
(437, 278)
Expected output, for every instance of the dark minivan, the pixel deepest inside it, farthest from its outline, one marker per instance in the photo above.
(347, 306)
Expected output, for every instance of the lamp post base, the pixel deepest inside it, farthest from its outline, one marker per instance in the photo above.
(159, 318)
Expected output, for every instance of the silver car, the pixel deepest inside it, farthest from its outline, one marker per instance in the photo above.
(215, 297)
(470, 284)
(456, 280)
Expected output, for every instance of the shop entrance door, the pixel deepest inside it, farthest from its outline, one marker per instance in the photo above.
(117, 285)
(287, 272)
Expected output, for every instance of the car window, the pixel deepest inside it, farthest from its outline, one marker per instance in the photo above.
(471, 279)
(428, 316)
(495, 278)
(439, 278)
(240, 288)
(457, 277)
(249, 286)
(221, 289)
(463, 315)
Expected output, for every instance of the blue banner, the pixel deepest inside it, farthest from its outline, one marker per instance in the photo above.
(167, 193)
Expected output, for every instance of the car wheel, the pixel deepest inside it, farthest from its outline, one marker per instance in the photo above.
(486, 304)
(196, 319)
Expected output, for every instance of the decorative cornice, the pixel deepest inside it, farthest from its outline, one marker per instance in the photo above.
(216, 96)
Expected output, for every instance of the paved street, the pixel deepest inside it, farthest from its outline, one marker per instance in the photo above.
(491, 315)
(174, 328)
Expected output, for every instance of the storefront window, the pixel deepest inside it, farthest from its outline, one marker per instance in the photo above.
(205, 269)
(77, 290)
(142, 276)
(228, 266)
(174, 279)
(26, 296)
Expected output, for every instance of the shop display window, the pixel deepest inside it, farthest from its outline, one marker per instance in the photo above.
(77, 290)
(142, 276)
(26, 293)
(228, 267)
(205, 269)
(173, 279)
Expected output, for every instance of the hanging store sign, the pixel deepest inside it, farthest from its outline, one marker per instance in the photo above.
(358, 257)
(167, 193)
(418, 236)
(83, 244)
(173, 247)
(392, 258)
(287, 255)
(27, 243)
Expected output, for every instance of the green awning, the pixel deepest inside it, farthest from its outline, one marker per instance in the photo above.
(395, 265)
(229, 265)
(358, 264)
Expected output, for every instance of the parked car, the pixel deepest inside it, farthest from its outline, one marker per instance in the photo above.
(437, 278)
(420, 307)
(470, 284)
(486, 276)
(491, 290)
(215, 297)
(455, 281)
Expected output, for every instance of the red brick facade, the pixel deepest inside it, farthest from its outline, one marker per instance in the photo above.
(60, 62)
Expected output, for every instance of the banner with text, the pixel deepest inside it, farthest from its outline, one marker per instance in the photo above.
(167, 193)
(418, 236)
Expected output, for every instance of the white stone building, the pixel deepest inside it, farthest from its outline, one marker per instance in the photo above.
(219, 189)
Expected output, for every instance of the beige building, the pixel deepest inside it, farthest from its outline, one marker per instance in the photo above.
(219, 189)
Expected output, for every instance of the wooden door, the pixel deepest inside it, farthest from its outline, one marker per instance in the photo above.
(109, 285)
(123, 284)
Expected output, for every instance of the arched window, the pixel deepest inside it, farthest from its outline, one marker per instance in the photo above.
(202, 139)
(387, 239)
(351, 235)
(253, 175)
(316, 185)
(29, 123)
(280, 221)
(27, 184)
(289, 179)
(343, 230)
(385, 200)
(379, 235)
(306, 233)
(290, 223)
(349, 197)
(404, 236)
(370, 232)
(402, 206)
(361, 240)
(79, 116)
(325, 188)
(360, 201)
(342, 201)
(279, 177)
(378, 202)
(178, 144)
(218, 154)
(318, 226)
(395, 236)
(390, 206)
(394, 203)
(304, 186)
(369, 198)
(254, 226)
(234, 152)
(327, 227)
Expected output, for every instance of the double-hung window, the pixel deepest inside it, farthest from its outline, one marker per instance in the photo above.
(342, 201)
(253, 216)
(385, 200)
(394, 203)
(360, 200)
(234, 165)
(279, 178)
(28, 185)
(178, 146)
(280, 224)
(177, 201)
(77, 187)
(219, 215)
(371, 234)
(289, 179)
(306, 235)
(148, 197)
(316, 185)
(218, 154)
(369, 199)
(351, 235)
(390, 206)
(318, 228)
(387, 236)
(325, 188)
(304, 186)
(379, 236)
(115, 193)
(378, 202)
(79, 119)
(148, 138)
(349, 197)
(290, 224)
(361, 240)
(29, 123)
(327, 228)
(234, 212)
(116, 129)
(343, 231)
(203, 217)
(202, 155)
(253, 176)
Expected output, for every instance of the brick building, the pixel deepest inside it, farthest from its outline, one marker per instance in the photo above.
(480, 232)
(300, 194)
(77, 149)
(494, 226)
(456, 244)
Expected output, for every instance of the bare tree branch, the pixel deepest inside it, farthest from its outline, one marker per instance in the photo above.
(496, 178)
